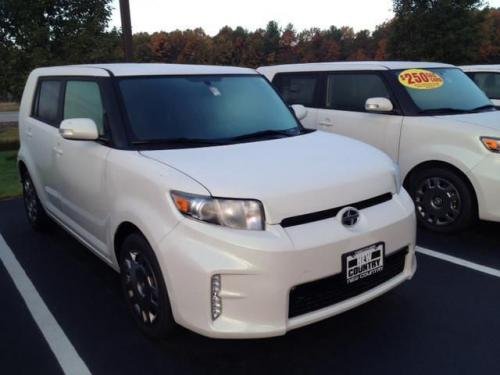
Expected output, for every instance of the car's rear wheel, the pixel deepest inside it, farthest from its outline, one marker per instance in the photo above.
(443, 200)
(35, 212)
(144, 288)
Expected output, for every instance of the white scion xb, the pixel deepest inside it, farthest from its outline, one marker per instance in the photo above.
(429, 117)
(219, 210)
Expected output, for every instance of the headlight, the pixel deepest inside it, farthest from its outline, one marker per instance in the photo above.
(397, 178)
(492, 144)
(232, 213)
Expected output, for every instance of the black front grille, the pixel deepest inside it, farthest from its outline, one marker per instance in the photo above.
(325, 292)
(326, 214)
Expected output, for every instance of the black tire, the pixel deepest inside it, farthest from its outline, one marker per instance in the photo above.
(144, 288)
(444, 201)
(35, 212)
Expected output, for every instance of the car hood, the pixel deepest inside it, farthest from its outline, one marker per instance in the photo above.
(489, 119)
(290, 176)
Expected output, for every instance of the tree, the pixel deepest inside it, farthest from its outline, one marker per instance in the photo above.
(436, 30)
(142, 47)
(380, 40)
(489, 50)
(49, 32)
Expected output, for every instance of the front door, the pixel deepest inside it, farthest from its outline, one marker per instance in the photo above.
(81, 167)
(344, 111)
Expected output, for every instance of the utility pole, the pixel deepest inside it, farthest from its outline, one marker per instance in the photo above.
(126, 30)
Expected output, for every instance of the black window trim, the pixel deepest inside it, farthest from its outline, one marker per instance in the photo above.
(317, 90)
(36, 101)
(379, 73)
(107, 138)
(320, 95)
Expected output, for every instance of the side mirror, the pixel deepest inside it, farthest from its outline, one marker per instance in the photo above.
(378, 105)
(79, 129)
(300, 111)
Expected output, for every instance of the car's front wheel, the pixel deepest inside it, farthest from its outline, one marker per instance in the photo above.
(35, 212)
(144, 288)
(443, 200)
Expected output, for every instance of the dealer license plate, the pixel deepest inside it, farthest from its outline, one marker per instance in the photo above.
(363, 263)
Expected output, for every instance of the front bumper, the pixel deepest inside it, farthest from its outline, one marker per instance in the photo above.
(486, 180)
(259, 268)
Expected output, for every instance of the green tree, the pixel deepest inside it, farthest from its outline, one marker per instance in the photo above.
(436, 30)
(36, 33)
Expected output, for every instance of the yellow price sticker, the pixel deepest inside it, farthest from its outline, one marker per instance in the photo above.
(420, 79)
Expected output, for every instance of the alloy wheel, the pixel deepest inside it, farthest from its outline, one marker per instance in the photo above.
(141, 287)
(30, 200)
(438, 201)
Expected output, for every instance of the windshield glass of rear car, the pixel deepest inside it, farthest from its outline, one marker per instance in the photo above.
(207, 107)
(448, 90)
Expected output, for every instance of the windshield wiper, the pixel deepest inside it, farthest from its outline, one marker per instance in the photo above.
(442, 110)
(182, 141)
(445, 110)
(480, 108)
(266, 134)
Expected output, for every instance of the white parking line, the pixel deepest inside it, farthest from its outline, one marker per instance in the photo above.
(459, 261)
(66, 355)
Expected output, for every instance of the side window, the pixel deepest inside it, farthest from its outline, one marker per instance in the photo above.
(47, 103)
(82, 99)
(348, 92)
(297, 88)
(489, 83)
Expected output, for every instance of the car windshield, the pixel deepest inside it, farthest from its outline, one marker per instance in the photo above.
(446, 91)
(204, 109)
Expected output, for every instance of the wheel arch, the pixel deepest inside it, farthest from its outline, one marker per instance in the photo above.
(22, 168)
(123, 230)
(445, 165)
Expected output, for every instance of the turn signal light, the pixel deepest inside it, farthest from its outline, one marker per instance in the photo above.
(492, 144)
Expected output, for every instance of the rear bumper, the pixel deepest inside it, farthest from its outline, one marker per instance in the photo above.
(258, 269)
(486, 180)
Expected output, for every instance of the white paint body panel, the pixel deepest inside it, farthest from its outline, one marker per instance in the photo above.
(90, 189)
(411, 141)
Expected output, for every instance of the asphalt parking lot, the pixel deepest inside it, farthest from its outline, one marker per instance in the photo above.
(445, 321)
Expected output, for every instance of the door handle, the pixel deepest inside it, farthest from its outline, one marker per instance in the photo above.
(29, 132)
(326, 123)
(58, 151)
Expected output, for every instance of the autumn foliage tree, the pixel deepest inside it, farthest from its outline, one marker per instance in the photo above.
(48, 32)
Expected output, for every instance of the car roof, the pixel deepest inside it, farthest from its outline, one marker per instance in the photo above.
(133, 69)
(351, 65)
(481, 68)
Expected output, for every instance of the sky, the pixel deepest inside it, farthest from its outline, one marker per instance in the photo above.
(212, 15)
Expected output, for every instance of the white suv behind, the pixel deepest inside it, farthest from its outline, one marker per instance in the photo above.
(487, 77)
(220, 211)
(430, 118)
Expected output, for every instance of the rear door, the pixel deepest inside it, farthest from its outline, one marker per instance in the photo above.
(81, 165)
(301, 88)
(41, 132)
(343, 110)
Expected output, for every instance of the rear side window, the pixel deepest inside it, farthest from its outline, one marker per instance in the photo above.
(349, 92)
(489, 83)
(47, 107)
(82, 99)
(297, 88)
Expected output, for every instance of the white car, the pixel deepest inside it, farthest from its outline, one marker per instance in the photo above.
(487, 77)
(220, 211)
(430, 118)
